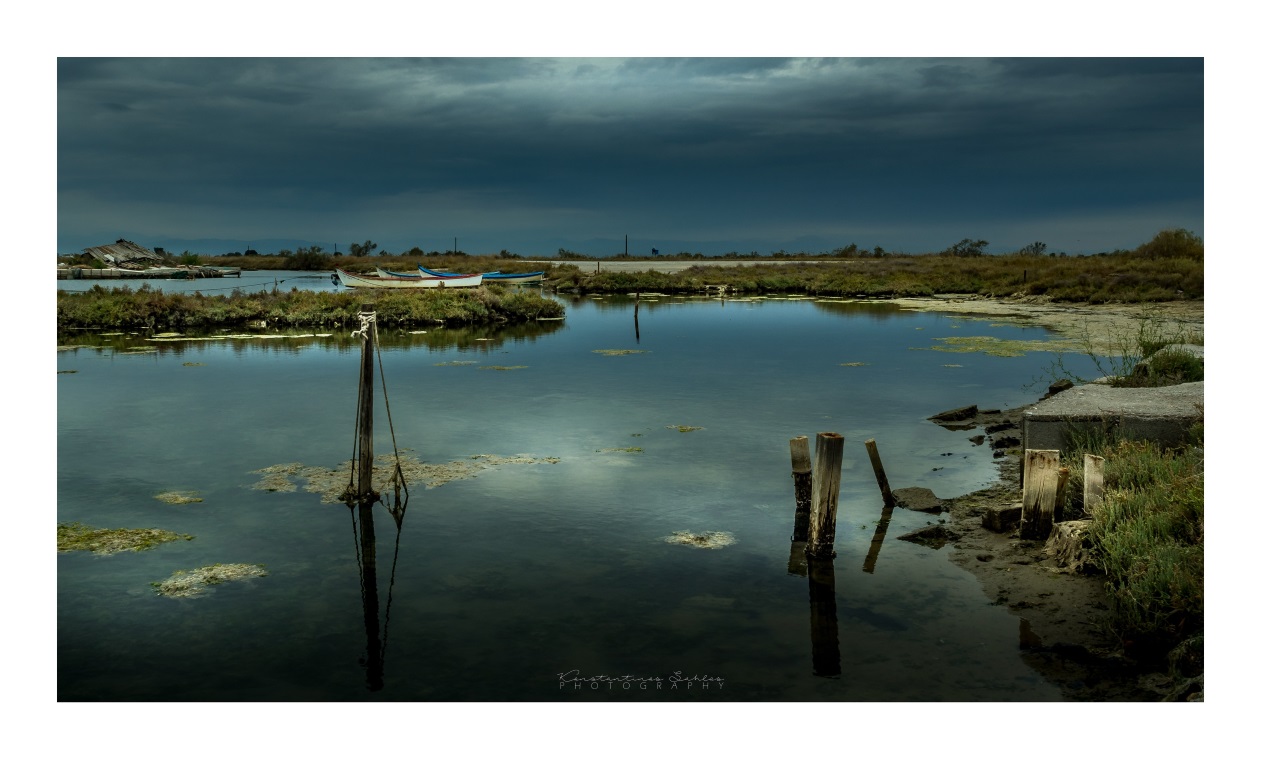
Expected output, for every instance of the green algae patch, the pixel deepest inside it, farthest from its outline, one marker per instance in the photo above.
(633, 449)
(502, 368)
(193, 363)
(456, 363)
(683, 428)
(195, 582)
(178, 497)
(332, 483)
(854, 363)
(994, 346)
(711, 540)
(75, 536)
(617, 351)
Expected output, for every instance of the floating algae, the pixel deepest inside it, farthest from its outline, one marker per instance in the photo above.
(617, 351)
(332, 483)
(683, 428)
(854, 363)
(75, 536)
(997, 347)
(176, 497)
(194, 582)
(68, 371)
(621, 450)
(193, 363)
(713, 540)
(456, 363)
(502, 368)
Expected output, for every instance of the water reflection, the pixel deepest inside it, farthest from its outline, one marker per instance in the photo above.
(480, 338)
(825, 637)
(578, 579)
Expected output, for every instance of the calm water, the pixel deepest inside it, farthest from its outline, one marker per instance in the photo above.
(499, 583)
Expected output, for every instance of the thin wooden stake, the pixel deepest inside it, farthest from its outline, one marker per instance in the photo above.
(1043, 487)
(799, 450)
(365, 402)
(1093, 487)
(829, 448)
(885, 493)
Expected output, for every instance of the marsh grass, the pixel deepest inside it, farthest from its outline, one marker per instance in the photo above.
(149, 309)
(1147, 534)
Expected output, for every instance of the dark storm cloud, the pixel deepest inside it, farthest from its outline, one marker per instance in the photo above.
(521, 153)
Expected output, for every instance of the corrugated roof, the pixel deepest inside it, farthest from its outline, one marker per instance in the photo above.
(123, 251)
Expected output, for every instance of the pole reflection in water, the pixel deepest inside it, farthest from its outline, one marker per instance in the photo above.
(877, 540)
(825, 640)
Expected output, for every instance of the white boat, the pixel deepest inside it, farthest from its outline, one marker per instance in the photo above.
(406, 283)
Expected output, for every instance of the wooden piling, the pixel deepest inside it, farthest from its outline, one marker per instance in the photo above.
(1044, 487)
(799, 450)
(1092, 489)
(364, 422)
(366, 497)
(885, 493)
(825, 491)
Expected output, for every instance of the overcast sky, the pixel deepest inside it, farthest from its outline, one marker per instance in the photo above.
(706, 155)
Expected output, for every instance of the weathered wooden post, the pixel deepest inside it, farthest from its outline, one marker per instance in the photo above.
(829, 448)
(1092, 486)
(885, 493)
(799, 450)
(1043, 491)
(365, 497)
(368, 331)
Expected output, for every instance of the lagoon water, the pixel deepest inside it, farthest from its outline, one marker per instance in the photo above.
(538, 581)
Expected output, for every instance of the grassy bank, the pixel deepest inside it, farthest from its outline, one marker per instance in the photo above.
(1168, 267)
(1147, 537)
(1122, 278)
(146, 308)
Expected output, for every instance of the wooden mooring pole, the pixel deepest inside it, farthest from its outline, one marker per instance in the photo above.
(368, 319)
(799, 450)
(829, 448)
(874, 454)
(365, 498)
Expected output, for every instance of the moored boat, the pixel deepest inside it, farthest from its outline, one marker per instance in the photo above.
(507, 278)
(361, 280)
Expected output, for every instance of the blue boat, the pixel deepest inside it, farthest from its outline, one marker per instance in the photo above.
(528, 278)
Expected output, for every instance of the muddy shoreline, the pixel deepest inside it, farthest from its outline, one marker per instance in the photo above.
(1063, 616)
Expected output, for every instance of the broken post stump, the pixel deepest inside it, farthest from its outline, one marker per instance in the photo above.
(799, 449)
(1043, 491)
(1092, 487)
(829, 448)
(881, 480)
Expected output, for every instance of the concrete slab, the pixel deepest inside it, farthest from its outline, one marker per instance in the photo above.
(1152, 413)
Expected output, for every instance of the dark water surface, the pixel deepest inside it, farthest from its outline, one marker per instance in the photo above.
(526, 580)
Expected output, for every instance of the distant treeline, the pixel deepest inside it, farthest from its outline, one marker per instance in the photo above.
(147, 308)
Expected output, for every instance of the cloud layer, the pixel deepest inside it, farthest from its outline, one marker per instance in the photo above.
(706, 155)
